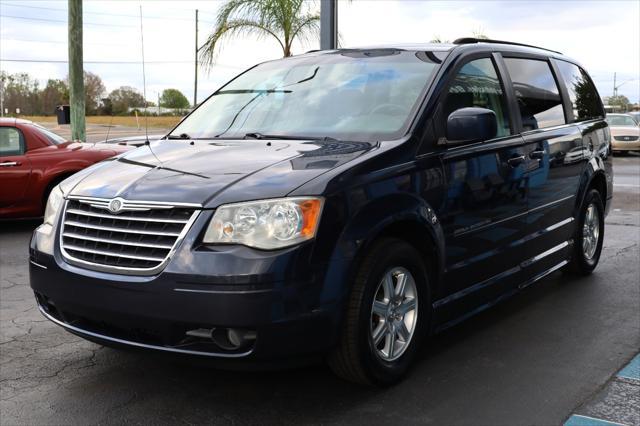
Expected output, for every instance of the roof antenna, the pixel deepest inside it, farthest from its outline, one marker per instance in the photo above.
(144, 93)
(144, 84)
(106, 138)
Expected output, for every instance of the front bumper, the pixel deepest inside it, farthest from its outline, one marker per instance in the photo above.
(282, 297)
(617, 146)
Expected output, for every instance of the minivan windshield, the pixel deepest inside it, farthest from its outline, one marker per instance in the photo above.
(357, 95)
(621, 120)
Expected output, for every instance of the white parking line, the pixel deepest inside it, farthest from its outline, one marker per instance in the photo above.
(626, 185)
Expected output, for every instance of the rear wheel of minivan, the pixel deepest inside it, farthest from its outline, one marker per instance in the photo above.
(589, 235)
(387, 315)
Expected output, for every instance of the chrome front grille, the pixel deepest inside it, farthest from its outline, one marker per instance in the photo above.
(626, 138)
(139, 237)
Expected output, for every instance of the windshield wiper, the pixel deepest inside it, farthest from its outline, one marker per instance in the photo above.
(257, 135)
(180, 136)
(241, 91)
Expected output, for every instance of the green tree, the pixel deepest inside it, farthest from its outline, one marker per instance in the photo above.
(284, 20)
(93, 91)
(54, 93)
(620, 101)
(21, 91)
(123, 98)
(173, 98)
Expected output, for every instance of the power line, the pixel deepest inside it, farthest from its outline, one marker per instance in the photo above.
(61, 42)
(64, 21)
(123, 15)
(55, 61)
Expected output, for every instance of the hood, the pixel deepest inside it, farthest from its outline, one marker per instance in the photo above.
(88, 146)
(624, 130)
(209, 172)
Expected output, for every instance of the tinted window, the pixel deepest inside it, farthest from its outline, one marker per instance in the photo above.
(582, 92)
(10, 142)
(537, 93)
(477, 85)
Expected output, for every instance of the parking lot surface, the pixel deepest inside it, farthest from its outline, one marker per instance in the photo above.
(534, 359)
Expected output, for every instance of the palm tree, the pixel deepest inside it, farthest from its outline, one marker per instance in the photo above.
(284, 20)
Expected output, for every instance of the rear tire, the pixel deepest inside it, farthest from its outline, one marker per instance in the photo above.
(381, 331)
(589, 235)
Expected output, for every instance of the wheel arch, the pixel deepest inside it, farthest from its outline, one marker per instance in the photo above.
(403, 216)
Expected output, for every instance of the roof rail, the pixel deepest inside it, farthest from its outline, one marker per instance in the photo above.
(470, 40)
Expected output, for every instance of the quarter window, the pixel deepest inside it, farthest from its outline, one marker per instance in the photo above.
(477, 85)
(584, 97)
(10, 142)
(537, 93)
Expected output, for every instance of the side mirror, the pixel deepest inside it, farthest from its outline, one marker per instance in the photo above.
(471, 125)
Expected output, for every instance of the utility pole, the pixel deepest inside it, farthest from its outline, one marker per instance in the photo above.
(76, 72)
(1, 96)
(328, 24)
(195, 80)
(615, 89)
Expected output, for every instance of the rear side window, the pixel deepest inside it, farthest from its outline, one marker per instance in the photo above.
(11, 142)
(477, 85)
(582, 92)
(537, 93)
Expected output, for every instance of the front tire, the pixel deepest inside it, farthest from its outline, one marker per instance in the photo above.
(589, 235)
(387, 315)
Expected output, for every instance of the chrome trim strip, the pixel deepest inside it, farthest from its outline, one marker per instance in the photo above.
(483, 226)
(37, 264)
(131, 202)
(514, 244)
(112, 241)
(111, 254)
(120, 217)
(187, 290)
(119, 269)
(494, 279)
(543, 274)
(500, 298)
(114, 229)
(544, 254)
(140, 345)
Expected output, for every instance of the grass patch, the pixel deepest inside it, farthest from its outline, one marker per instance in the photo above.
(129, 121)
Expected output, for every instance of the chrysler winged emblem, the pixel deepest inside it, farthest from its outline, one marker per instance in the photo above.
(115, 205)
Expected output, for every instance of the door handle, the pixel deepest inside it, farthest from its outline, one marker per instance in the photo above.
(9, 164)
(516, 161)
(536, 155)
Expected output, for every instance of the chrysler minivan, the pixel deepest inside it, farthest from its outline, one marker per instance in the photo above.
(339, 205)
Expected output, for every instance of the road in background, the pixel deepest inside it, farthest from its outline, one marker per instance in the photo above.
(534, 359)
(100, 132)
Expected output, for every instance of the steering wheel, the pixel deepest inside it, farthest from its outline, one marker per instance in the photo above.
(389, 108)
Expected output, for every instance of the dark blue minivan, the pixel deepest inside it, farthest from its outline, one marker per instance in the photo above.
(339, 205)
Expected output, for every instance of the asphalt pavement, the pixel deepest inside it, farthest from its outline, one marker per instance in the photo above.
(533, 360)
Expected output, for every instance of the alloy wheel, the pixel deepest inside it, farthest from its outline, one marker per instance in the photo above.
(394, 313)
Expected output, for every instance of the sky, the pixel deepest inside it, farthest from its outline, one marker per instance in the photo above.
(602, 35)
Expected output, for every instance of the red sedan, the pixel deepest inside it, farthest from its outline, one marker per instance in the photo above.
(33, 160)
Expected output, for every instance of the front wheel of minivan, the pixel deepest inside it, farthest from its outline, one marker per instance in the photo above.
(387, 315)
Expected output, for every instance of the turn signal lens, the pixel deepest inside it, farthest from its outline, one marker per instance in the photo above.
(266, 224)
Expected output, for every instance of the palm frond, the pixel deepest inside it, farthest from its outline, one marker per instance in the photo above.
(284, 20)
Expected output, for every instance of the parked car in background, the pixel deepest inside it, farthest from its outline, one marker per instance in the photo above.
(33, 160)
(625, 133)
(635, 115)
(366, 199)
(135, 141)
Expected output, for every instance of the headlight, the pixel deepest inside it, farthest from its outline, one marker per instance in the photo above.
(53, 205)
(266, 224)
